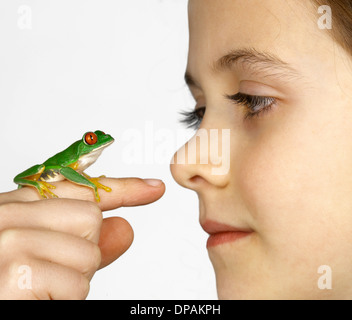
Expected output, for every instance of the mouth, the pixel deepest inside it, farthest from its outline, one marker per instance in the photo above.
(107, 144)
(221, 233)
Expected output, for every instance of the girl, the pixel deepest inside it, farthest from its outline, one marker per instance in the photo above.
(277, 81)
(276, 76)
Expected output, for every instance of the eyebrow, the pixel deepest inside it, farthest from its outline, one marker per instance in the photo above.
(256, 62)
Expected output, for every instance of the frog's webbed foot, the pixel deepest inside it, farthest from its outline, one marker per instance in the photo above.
(44, 188)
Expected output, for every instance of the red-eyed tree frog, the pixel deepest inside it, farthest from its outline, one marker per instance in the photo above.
(68, 164)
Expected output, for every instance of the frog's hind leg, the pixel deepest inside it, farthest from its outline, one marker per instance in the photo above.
(31, 178)
(42, 187)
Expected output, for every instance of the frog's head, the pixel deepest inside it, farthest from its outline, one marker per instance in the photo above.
(91, 146)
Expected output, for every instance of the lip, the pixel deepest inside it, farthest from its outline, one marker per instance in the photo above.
(222, 233)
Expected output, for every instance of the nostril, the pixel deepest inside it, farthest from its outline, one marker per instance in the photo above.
(196, 179)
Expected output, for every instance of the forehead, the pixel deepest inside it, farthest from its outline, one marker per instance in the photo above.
(216, 27)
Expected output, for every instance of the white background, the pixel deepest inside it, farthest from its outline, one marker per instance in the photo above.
(115, 66)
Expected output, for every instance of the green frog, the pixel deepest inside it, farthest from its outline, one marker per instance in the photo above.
(68, 165)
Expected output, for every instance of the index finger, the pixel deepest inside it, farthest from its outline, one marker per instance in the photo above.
(125, 192)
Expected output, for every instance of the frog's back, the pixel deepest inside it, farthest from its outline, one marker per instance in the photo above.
(65, 157)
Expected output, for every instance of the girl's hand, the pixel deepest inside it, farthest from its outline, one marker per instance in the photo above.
(50, 249)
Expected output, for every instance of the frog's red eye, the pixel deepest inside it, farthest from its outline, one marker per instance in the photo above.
(90, 138)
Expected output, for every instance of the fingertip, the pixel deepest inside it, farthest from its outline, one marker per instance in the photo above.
(153, 182)
(127, 192)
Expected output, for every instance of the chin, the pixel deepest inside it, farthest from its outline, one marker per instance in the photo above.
(234, 287)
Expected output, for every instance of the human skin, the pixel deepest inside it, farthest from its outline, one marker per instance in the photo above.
(64, 241)
(290, 177)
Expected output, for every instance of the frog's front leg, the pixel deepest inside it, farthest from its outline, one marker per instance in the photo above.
(31, 178)
(73, 176)
(97, 183)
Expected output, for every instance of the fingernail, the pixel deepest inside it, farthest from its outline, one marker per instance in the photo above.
(153, 182)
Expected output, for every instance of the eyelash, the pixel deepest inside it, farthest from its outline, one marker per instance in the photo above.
(254, 105)
(193, 119)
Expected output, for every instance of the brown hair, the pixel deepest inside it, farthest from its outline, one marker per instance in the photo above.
(341, 21)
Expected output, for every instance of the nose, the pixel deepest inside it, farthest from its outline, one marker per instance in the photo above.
(203, 161)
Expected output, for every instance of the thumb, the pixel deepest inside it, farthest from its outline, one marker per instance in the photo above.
(116, 237)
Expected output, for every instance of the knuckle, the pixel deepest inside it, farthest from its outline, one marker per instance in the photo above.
(15, 268)
(93, 219)
(94, 259)
(94, 215)
(82, 287)
(12, 272)
(9, 209)
(9, 239)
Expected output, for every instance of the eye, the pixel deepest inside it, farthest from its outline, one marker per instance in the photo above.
(90, 138)
(254, 105)
(193, 119)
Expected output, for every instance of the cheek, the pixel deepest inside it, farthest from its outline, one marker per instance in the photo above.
(298, 193)
(297, 187)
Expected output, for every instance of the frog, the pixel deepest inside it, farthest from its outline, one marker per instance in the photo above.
(68, 164)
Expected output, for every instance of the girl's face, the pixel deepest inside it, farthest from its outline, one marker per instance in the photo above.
(280, 84)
